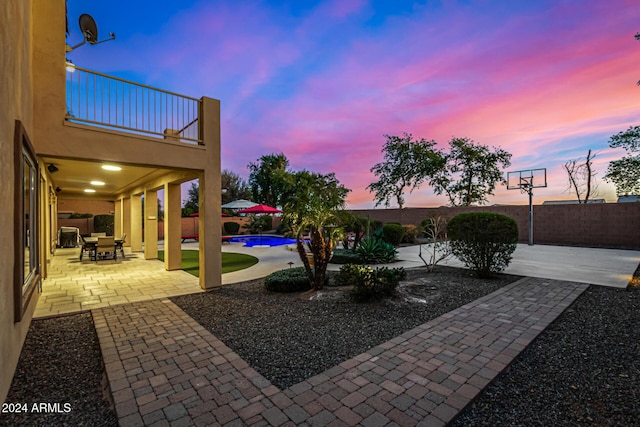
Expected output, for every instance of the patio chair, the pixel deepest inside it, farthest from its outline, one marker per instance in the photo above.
(120, 243)
(106, 247)
(89, 248)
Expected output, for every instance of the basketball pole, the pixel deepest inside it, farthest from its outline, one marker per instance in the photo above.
(530, 215)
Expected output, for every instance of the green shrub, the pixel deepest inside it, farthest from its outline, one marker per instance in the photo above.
(376, 251)
(483, 241)
(345, 256)
(375, 224)
(80, 215)
(369, 283)
(393, 233)
(287, 280)
(231, 227)
(410, 233)
(283, 229)
(258, 223)
(267, 222)
(103, 224)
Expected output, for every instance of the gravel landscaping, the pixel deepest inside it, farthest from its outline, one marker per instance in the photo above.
(60, 364)
(583, 370)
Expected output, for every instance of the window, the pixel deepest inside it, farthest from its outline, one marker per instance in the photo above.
(27, 263)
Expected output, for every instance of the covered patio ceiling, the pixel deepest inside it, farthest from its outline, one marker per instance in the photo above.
(73, 177)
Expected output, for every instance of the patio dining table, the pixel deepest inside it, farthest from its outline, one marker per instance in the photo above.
(93, 242)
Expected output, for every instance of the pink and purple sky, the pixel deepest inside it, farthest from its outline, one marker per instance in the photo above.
(323, 81)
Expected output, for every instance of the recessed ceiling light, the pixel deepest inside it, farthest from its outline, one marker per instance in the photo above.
(97, 183)
(111, 168)
(89, 190)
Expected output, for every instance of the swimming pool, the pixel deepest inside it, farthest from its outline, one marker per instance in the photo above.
(251, 241)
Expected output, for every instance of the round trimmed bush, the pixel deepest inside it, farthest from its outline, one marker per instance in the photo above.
(287, 280)
(393, 233)
(483, 241)
(231, 227)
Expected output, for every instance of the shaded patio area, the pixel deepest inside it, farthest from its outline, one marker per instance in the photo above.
(73, 285)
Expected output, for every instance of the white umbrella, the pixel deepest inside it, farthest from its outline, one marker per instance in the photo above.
(239, 204)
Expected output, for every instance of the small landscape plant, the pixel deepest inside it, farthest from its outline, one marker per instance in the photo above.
(368, 283)
(376, 251)
(438, 247)
(345, 256)
(288, 280)
(393, 233)
(483, 241)
(411, 233)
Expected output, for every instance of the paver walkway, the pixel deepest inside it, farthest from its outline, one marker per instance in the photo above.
(165, 368)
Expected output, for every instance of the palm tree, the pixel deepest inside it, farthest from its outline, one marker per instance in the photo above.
(312, 203)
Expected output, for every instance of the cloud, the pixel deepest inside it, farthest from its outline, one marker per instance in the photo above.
(323, 82)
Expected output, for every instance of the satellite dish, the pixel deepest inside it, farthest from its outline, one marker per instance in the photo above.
(89, 28)
(89, 31)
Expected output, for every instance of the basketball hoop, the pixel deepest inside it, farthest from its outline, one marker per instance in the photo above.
(526, 181)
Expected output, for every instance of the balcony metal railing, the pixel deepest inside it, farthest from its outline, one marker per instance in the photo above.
(113, 103)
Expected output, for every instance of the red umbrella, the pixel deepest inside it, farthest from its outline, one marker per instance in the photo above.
(260, 209)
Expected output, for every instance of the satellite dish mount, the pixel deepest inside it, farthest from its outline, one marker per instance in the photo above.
(89, 31)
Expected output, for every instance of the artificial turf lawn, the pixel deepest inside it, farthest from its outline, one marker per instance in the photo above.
(230, 261)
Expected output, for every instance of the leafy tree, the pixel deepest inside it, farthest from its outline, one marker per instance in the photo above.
(407, 163)
(191, 205)
(311, 204)
(471, 172)
(236, 188)
(582, 178)
(268, 179)
(625, 173)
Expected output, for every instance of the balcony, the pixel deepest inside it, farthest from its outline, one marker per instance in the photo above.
(112, 103)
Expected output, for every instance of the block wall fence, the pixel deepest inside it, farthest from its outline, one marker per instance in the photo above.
(607, 225)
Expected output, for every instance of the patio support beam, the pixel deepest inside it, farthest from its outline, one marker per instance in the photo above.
(135, 219)
(117, 218)
(126, 219)
(150, 224)
(172, 227)
(210, 198)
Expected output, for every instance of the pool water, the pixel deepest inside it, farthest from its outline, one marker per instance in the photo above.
(250, 241)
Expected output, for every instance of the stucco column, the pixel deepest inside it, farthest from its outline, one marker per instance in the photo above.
(210, 198)
(172, 227)
(135, 219)
(150, 224)
(126, 220)
(117, 218)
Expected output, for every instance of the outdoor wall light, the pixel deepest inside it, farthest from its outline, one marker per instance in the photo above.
(69, 66)
(89, 190)
(97, 183)
(111, 168)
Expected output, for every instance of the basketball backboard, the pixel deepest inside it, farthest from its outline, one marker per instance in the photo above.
(526, 179)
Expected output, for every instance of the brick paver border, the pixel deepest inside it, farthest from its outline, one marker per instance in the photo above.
(163, 367)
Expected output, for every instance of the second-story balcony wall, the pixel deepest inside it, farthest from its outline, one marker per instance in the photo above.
(110, 102)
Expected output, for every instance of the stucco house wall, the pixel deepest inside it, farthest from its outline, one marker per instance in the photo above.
(16, 102)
